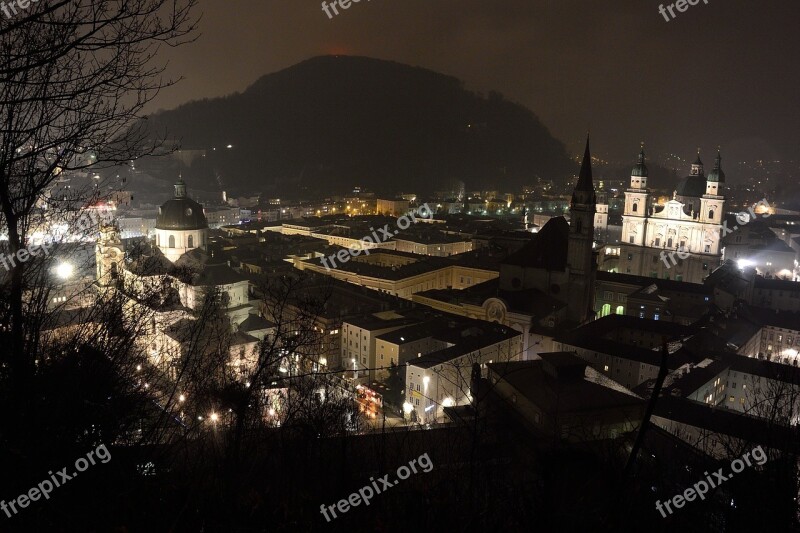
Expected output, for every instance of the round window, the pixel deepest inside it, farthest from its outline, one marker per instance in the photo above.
(188, 211)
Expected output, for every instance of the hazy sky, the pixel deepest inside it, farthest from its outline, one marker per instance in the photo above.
(723, 73)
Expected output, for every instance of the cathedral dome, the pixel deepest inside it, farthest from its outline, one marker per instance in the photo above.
(181, 213)
(691, 186)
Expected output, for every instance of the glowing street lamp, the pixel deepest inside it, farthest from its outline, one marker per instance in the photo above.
(64, 270)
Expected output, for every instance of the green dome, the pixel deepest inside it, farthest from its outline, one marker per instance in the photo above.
(181, 213)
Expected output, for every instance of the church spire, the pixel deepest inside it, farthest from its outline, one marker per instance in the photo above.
(697, 166)
(584, 189)
(585, 180)
(717, 174)
(640, 170)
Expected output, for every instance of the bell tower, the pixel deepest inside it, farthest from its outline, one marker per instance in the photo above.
(109, 255)
(637, 204)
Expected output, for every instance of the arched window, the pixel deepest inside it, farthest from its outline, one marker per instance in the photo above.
(711, 214)
(635, 208)
(606, 310)
(172, 241)
(620, 310)
(191, 241)
(669, 242)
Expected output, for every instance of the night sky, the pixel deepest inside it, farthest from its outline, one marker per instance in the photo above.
(719, 74)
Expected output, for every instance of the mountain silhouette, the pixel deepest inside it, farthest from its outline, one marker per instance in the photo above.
(333, 122)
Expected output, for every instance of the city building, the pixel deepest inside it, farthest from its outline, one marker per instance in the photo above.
(689, 223)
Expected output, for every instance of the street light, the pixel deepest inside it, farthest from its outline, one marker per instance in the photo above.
(64, 270)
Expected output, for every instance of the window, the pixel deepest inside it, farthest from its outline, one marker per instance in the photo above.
(656, 316)
(631, 239)
(669, 242)
(658, 241)
(606, 310)
(731, 399)
(711, 213)
(605, 368)
(635, 207)
(608, 296)
(641, 315)
(172, 241)
(620, 310)
(708, 248)
(191, 241)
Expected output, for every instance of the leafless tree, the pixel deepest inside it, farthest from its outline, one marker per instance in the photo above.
(75, 77)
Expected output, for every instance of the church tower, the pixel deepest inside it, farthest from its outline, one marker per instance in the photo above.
(108, 255)
(637, 205)
(580, 254)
